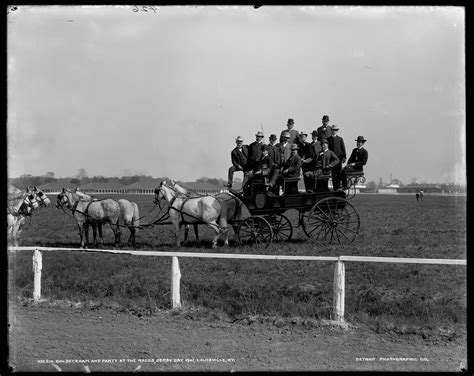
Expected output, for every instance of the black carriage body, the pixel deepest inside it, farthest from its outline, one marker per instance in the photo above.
(259, 202)
(324, 215)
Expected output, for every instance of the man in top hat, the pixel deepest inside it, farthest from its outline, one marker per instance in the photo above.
(293, 132)
(324, 131)
(238, 156)
(357, 160)
(256, 150)
(336, 144)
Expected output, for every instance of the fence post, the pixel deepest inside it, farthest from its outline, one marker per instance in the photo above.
(175, 283)
(339, 291)
(37, 266)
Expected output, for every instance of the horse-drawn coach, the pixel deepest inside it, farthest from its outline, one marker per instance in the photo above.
(325, 216)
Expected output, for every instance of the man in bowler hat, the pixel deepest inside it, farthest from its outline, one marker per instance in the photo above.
(336, 144)
(324, 131)
(356, 162)
(293, 132)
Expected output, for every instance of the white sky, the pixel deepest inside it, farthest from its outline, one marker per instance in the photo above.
(165, 93)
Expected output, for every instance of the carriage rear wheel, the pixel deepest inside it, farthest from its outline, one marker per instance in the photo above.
(333, 220)
(281, 227)
(255, 231)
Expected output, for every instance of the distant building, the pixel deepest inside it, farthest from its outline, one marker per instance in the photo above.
(391, 189)
(107, 187)
(57, 186)
(143, 187)
(426, 188)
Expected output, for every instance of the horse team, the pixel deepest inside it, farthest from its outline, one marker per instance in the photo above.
(219, 212)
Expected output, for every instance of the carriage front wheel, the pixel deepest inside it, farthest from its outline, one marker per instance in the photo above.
(281, 227)
(333, 220)
(255, 231)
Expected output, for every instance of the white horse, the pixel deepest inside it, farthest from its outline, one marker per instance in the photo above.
(21, 206)
(182, 210)
(231, 209)
(91, 213)
(129, 216)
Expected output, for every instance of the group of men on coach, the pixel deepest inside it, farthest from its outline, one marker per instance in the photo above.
(317, 160)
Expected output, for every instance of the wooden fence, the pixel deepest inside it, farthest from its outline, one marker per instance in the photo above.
(339, 270)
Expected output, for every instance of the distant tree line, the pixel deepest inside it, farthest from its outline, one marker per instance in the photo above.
(28, 180)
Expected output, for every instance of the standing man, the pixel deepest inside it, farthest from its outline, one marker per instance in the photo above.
(324, 131)
(238, 157)
(309, 162)
(357, 160)
(303, 146)
(336, 144)
(275, 155)
(293, 132)
(255, 153)
(283, 150)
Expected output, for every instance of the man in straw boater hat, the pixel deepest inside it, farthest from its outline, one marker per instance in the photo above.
(324, 131)
(336, 144)
(293, 132)
(238, 156)
(356, 162)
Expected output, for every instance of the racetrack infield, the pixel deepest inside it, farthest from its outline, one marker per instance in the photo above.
(51, 338)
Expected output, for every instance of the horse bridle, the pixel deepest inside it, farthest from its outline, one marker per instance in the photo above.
(28, 202)
(40, 198)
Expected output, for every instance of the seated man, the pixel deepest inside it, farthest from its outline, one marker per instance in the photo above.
(290, 168)
(238, 157)
(263, 169)
(356, 161)
(325, 162)
(265, 165)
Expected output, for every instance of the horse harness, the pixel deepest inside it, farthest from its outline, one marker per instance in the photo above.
(186, 199)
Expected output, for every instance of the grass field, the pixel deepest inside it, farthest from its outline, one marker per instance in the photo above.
(429, 300)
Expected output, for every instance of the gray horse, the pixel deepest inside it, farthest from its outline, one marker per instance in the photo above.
(91, 213)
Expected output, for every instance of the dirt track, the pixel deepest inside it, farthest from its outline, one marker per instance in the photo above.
(72, 338)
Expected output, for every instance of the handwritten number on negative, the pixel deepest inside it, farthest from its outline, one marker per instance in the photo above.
(144, 8)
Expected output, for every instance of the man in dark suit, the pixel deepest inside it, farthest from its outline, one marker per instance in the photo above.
(293, 132)
(356, 162)
(275, 155)
(283, 150)
(325, 162)
(290, 168)
(303, 146)
(309, 162)
(324, 131)
(336, 144)
(238, 156)
(255, 152)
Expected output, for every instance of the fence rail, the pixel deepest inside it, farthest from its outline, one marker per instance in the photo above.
(339, 270)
